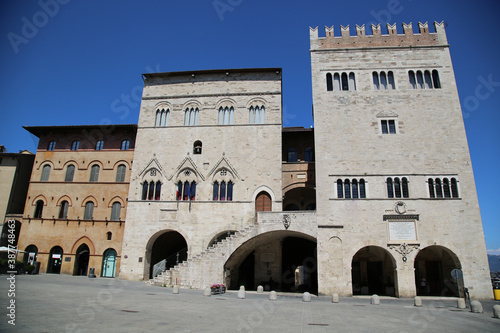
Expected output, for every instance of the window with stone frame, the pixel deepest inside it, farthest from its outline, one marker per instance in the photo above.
(186, 185)
(162, 117)
(426, 79)
(226, 115)
(443, 187)
(351, 188)
(397, 187)
(223, 185)
(383, 80)
(45, 173)
(388, 126)
(151, 185)
(191, 116)
(342, 81)
(257, 114)
(70, 173)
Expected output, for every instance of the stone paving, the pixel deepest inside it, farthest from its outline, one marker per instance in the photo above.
(60, 303)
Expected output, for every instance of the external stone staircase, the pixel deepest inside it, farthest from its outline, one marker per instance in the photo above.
(207, 267)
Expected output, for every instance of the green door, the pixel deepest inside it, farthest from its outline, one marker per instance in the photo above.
(109, 263)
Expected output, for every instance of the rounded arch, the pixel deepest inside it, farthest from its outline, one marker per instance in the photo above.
(163, 105)
(55, 260)
(89, 198)
(116, 199)
(70, 162)
(290, 264)
(83, 240)
(229, 102)
(192, 103)
(374, 271)
(45, 162)
(30, 254)
(109, 258)
(64, 198)
(433, 265)
(165, 249)
(94, 162)
(39, 197)
(117, 163)
(295, 185)
(259, 101)
(263, 188)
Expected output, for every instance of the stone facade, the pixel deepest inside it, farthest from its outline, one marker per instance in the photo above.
(214, 146)
(399, 118)
(55, 228)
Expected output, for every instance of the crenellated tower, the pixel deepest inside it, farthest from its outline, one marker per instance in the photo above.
(397, 208)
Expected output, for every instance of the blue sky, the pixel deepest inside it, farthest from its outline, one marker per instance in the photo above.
(71, 62)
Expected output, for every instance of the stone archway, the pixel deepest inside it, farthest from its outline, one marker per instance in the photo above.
(373, 271)
(82, 256)
(277, 260)
(165, 249)
(433, 266)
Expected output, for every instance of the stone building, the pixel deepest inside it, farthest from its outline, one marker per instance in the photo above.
(74, 215)
(397, 208)
(15, 171)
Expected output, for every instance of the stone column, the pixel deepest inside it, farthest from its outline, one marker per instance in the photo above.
(405, 283)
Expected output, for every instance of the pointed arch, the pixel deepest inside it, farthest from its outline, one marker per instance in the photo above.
(83, 240)
(64, 198)
(115, 199)
(90, 198)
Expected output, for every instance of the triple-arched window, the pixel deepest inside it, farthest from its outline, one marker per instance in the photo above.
(383, 80)
(191, 116)
(397, 187)
(186, 191)
(226, 115)
(257, 114)
(151, 190)
(223, 191)
(162, 117)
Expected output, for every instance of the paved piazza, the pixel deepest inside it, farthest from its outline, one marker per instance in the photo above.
(61, 303)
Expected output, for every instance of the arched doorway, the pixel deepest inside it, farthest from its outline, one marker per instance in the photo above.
(277, 260)
(55, 260)
(433, 266)
(109, 263)
(30, 254)
(300, 198)
(373, 271)
(166, 249)
(263, 202)
(81, 260)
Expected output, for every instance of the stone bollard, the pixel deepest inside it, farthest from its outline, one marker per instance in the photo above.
(496, 311)
(375, 300)
(476, 307)
(260, 290)
(175, 290)
(335, 298)
(207, 292)
(461, 303)
(306, 297)
(273, 296)
(241, 293)
(418, 301)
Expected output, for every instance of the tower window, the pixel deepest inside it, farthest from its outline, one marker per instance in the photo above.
(197, 147)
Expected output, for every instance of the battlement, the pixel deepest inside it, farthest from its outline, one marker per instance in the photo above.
(377, 39)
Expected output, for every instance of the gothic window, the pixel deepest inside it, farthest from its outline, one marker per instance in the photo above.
(144, 190)
(292, 154)
(45, 173)
(186, 191)
(99, 145)
(158, 190)
(257, 115)
(191, 116)
(52, 145)
(215, 194)
(70, 173)
(94, 173)
(197, 147)
(120, 173)
(229, 196)
(89, 211)
(329, 82)
(63, 210)
(38, 209)
(162, 117)
(151, 190)
(226, 115)
(125, 145)
(75, 145)
(115, 211)
(223, 186)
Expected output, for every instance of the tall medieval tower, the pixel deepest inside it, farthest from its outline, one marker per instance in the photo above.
(397, 208)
